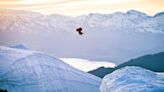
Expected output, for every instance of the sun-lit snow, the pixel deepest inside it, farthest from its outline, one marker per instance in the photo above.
(132, 79)
(29, 71)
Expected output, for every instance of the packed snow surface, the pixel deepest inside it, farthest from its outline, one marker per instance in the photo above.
(29, 71)
(132, 79)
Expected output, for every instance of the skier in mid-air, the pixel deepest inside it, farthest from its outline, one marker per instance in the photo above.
(79, 30)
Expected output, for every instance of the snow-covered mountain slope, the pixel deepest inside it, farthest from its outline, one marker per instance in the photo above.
(114, 37)
(29, 71)
(132, 79)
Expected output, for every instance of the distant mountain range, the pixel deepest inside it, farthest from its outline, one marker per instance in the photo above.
(113, 37)
(153, 62)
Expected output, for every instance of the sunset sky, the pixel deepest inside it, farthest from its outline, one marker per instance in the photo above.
(83, 7)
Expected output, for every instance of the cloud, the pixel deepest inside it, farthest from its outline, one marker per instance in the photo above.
(87, 65)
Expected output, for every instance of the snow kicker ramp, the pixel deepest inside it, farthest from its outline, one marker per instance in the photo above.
(132, 79)
(30, 71)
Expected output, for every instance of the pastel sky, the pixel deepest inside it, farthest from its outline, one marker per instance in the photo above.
(83, 7)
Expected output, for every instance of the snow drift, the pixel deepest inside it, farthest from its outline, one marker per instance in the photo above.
(132, 79)
(29, 71)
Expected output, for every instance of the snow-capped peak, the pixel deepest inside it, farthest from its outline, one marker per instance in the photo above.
(19, 46)
(135, 12)
(159, 14)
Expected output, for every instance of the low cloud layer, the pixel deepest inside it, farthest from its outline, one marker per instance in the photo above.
(87, 65)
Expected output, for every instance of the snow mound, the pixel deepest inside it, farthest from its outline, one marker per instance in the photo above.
(132, 79)
(30, 71)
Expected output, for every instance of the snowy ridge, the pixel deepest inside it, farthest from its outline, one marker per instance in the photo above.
(30, 71)
(19, 46)
(132, 79)
(23, 20)
(14, 20)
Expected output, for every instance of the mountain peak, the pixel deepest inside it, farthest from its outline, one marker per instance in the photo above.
(135, 12)
(159, 14)
(20, 46)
